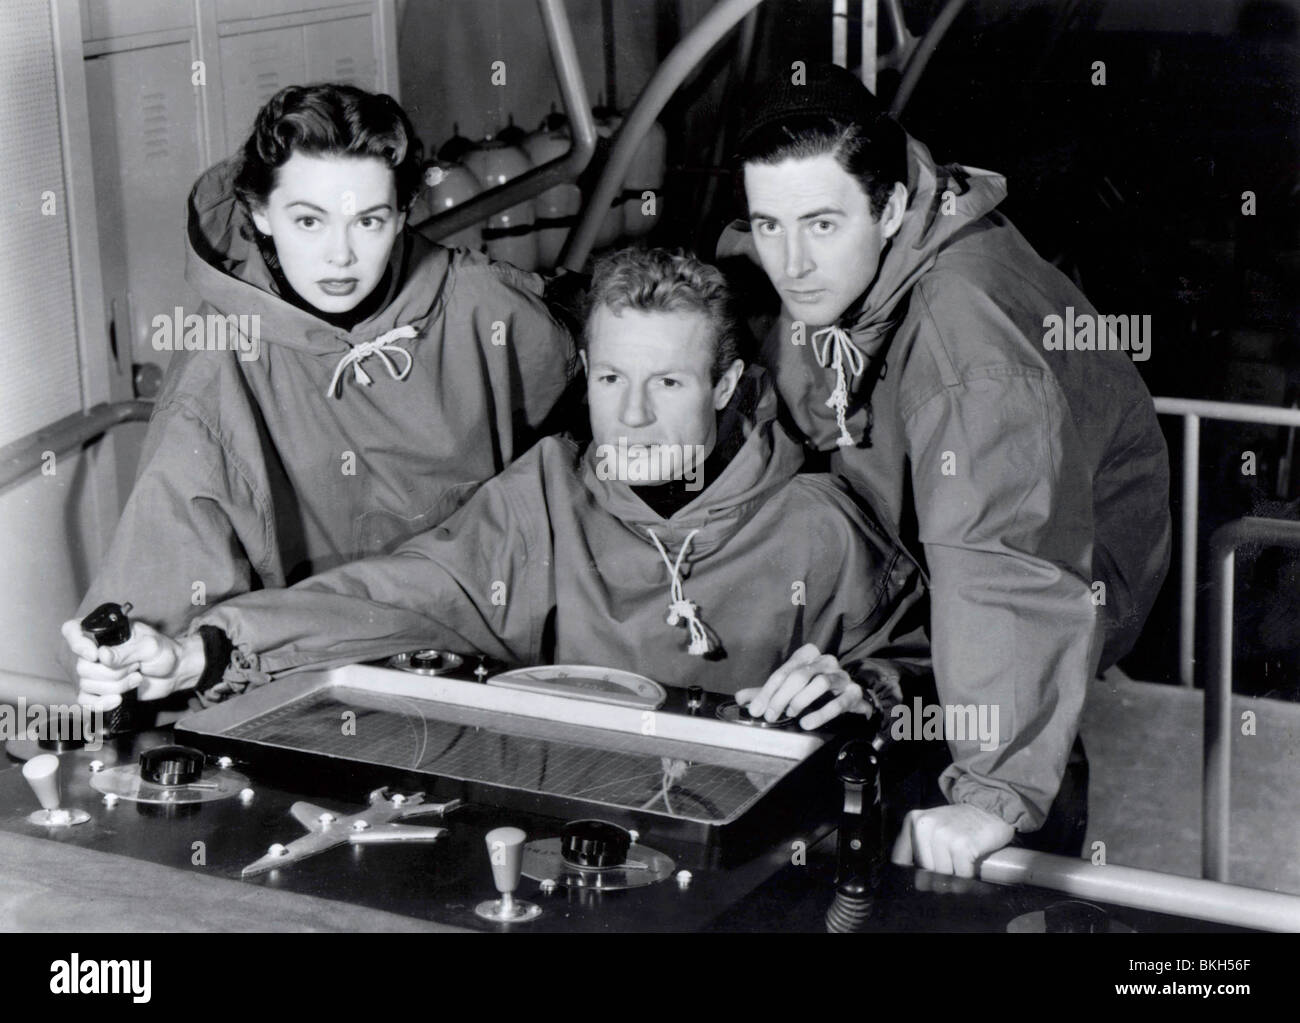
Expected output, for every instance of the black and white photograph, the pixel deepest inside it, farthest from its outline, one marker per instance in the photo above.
(651, 466)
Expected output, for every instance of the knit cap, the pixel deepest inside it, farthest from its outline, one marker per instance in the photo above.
(822, 90)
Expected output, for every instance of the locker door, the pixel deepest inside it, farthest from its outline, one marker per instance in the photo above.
(342, 51)
(254, 67)
(145, 136)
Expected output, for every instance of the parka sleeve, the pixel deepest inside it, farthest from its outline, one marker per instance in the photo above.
(194, 531)
(519, 337)
(479, 583)
(1004, 508)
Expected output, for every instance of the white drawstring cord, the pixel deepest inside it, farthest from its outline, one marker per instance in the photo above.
(380, 346)
(844, 349)
(680, 609)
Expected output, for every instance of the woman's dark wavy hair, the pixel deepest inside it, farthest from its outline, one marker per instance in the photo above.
(325, 120)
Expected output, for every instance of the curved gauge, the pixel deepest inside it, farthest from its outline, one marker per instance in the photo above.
(585, 682)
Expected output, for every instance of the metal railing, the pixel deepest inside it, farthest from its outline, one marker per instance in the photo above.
(27, 454)
(1216, 764)
(1193, 411)
(1217, 755)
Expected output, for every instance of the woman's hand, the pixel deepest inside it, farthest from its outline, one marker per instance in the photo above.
(149, 662)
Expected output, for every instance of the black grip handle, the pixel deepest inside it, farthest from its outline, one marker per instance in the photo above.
(861, 851)
(109, 625)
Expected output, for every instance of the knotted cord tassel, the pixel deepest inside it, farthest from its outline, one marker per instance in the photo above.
(836, 347)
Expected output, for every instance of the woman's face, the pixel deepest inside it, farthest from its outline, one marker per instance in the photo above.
(334, 220)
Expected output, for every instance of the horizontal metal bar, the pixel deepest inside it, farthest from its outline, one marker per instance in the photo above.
(28, 453)
(1217, 758)
(1146, 889)
(1232, 410)
(563, 169)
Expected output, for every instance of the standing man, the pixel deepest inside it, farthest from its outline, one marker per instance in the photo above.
(973, 397)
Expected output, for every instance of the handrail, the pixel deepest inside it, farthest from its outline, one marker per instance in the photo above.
(1217, 755)
(1193, 410)
(1149, 890)
(565, 168)
(26, 454)
(683, 59)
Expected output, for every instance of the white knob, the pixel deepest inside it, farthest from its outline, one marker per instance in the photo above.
(42, 774)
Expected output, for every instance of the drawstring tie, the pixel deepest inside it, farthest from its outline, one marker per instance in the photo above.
(844, 350)
(681, 609)
(380, 346)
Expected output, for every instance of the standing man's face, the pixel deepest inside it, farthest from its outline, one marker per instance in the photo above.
(815, 235)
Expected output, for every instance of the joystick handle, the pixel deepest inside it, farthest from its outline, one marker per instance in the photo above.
(108, 625)
(861, 851)
(42, 774)
(506, 851)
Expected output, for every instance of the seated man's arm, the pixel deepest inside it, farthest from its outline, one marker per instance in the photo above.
(1004, 507)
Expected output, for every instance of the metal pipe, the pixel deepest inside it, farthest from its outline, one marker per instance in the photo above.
(566, 168)
(1231, 410)
(1217, 763)
(921, 56)
(26, 454)
(1193, 410)
(1191, 507)
(840, 33)
(683, 59)
(1146, 889)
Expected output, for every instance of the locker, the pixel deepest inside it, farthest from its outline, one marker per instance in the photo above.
(145, 137)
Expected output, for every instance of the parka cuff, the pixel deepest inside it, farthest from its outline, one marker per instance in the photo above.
(999, 802)
(244, 672)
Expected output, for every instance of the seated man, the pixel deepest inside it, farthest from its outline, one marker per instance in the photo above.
(680, 543)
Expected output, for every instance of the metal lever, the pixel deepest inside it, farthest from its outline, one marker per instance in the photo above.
(860, 855)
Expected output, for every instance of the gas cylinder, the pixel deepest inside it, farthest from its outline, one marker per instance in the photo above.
(556, 207)
(642, 212)
(511, 134)
(509, 235)
(455, 148)
(447, 185)
(608, 121)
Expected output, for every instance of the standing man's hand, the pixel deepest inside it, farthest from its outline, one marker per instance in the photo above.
(950, 839)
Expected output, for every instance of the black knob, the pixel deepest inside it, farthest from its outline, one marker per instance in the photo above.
(857, 762)
(427, 660)
(171, 765)
(594, 844)
(108, 624)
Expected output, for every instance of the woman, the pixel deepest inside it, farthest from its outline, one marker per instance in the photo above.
(379, 378)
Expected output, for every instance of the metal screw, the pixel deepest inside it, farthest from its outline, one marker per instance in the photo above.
(548, 885)
(683, 879)
(246, 795)
(397, 799)
(855, 844)
(278, 850)
(110, 798)
(96, 766)
(360, 825)
(225, 763)
(327, 818)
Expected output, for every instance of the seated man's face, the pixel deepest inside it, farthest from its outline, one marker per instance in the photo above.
(648, 383)
(815, 235)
